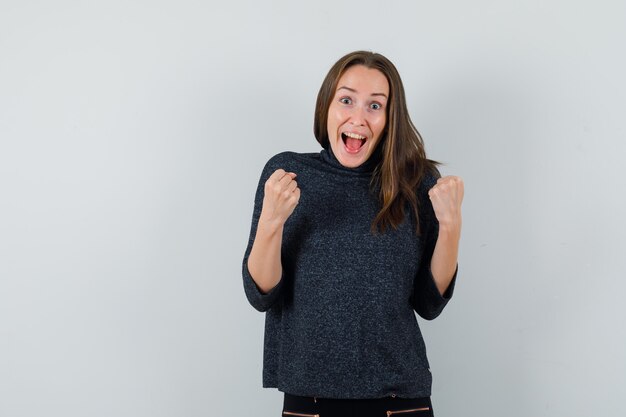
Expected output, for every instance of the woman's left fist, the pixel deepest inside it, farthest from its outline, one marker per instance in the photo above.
(446, 197)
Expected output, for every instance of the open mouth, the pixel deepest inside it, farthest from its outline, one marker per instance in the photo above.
(353, 141)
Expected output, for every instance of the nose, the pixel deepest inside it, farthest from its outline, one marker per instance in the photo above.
(358, 116)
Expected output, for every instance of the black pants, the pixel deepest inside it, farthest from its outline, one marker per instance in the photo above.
(296, 406)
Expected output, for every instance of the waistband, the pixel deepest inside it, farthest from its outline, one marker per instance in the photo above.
(299, 406)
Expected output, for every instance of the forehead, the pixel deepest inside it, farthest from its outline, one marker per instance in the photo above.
(364, 80)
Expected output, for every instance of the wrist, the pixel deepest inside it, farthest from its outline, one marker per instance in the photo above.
(270, 226)
(450, 231)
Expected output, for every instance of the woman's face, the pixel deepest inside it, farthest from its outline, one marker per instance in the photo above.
(357, 114)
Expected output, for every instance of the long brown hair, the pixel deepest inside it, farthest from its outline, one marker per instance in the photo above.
(404, 163)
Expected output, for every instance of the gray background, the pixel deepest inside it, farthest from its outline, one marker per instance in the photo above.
(132, 137)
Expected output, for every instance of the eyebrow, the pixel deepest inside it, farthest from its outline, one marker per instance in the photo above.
(354, 91)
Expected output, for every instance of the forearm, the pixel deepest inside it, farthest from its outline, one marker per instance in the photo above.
(445, 256)
(264, 262)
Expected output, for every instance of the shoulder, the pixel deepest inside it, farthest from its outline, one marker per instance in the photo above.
(281, 158)
(289, 161)
(425, 206)
(428, 181)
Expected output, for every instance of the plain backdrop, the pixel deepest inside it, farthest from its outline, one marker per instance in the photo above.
(132, 137)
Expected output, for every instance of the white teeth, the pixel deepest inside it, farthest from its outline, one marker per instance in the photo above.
(354, 135)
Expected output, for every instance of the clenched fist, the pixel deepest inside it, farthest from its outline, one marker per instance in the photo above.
(281, 197)
(446, 197)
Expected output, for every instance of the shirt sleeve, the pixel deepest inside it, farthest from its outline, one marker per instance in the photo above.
(259, 300)
(427, 301)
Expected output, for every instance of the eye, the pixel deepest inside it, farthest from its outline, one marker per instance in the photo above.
(376, 106)
(345, 100)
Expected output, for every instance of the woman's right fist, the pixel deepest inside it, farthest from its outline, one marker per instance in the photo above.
(281, 197)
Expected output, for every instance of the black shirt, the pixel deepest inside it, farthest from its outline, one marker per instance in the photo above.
(341, 322)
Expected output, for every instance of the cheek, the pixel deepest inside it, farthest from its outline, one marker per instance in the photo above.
(380, 123)
(331, 125)
(335, 120)
(336, 114)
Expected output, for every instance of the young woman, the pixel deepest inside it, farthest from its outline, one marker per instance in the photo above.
(345, 245)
